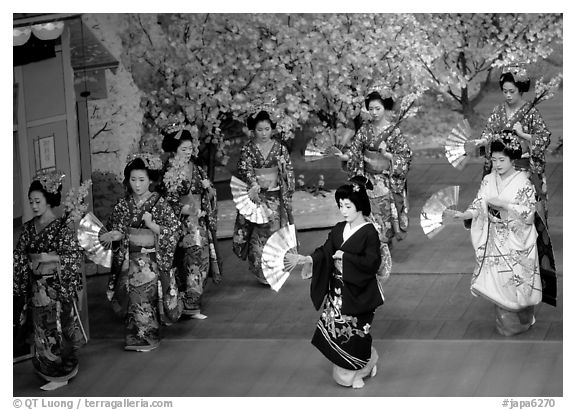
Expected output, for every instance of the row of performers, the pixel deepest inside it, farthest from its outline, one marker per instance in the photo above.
(164, 243)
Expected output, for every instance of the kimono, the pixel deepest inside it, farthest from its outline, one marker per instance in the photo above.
(249, 238)
(533, 161)
(507, 271)
(389, 198)
(349, 292)
(142, 286)
(50, 294)
(196, 257)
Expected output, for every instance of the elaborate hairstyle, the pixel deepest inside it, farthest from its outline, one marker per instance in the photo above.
(355, 191)
(172, 141)
(52, 198)
(139, 163)
(516, 75)
(508, 145)
(387, 102)
(253, 120)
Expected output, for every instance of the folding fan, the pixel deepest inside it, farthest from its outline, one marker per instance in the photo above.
(255, 212)
(275, 265)
(431, 216)
(88, 233)
(454, 146)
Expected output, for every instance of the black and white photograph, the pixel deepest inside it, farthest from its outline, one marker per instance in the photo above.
(242, 201)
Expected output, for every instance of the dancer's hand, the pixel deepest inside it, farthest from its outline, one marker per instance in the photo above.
(253, 192)
(338, 255)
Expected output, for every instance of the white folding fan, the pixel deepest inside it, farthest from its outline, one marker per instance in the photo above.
(431, 216)
(454, 145)
(88, 236)
(254, 212)
(275, 265)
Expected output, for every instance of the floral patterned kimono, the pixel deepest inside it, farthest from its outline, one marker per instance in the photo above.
(507, 271)
(533, 161)
(389, 198)
(249, 238)
(349, 292)
(196, 254)
(142, 287)
(50, 290)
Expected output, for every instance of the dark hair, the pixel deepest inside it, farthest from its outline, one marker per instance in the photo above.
(387, 102)
(252, 121)
(170, 143)
(523, 86)
(53, 200)
(356, 193)
(138, 164)
(504, 146)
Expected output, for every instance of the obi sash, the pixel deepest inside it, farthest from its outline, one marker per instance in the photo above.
(141, 240)
(267, 177)
(44, 268)
(195, 202)
(375, 163)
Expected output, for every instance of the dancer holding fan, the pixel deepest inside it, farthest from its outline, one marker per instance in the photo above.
(47, 277)
(380, 152)
(187, 188)
(142, 287)
(504, 239)
(521, 121)
(344, 280)
(265, 166)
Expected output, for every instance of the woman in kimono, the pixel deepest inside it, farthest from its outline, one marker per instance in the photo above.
(380, 152)
(144, 231)
(344, 276)
(266, 167)
(193, 198)
(504, 239)
(47, 276)
(521, 120)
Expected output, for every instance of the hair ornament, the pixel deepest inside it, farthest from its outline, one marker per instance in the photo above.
(152, 161)
(51, 180)
(518, 71)
(381, 87)
(510, 142)
(355, 187)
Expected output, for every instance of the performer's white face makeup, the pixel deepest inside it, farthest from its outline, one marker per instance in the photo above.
(348, 210)
(511, 93)
(139, 181)
(502, 163)
(376, 110)
(185, 150)
(38, 203)
(263, 130)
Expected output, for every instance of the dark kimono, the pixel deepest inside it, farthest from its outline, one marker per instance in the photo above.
(533, 161)
(350, 293)
(50, 291)
(196, 257)
(249, 238)
(142, 287)
(389, 198)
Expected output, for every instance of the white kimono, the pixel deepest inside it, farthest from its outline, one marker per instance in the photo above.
(507, 271)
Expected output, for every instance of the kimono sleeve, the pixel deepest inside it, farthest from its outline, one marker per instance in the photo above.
(478, 205)
(524, 206)
(322, 265)
(365, 263)
(491, 126)
(288, 172)
(170, 227)
(246, 165)
(21, 271)
(539, 142)
(401, 159)
(356, 153)
(70, 254)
